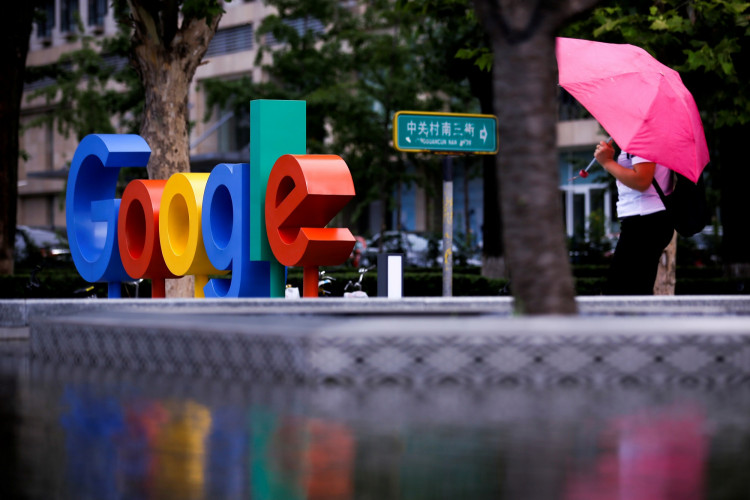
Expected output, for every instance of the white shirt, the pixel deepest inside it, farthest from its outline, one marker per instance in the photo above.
(633, 202)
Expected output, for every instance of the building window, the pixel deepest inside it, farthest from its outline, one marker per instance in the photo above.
(68, 15)
(584, 201)
(569, 109)
(97, 12)
(45, 25)
(301, 26)
(234, 134)
(230, 40)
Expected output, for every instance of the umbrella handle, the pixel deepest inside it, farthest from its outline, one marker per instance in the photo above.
(593, 160)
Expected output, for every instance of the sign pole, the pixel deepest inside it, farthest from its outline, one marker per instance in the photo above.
(447, 226)
(446, 134)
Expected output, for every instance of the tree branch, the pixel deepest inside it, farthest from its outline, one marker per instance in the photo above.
(145, 21)
(515, 21)
(169, 19)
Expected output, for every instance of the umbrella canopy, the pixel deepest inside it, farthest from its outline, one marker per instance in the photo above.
(640, 102)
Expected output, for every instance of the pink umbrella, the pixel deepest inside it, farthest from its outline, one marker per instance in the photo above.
(640, 102)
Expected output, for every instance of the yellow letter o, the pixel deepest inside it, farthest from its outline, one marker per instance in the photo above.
(180, 230)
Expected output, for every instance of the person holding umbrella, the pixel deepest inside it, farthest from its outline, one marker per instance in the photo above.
(646, 108)
(645, 228)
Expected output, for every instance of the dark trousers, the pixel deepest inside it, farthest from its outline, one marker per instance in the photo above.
(636, 259)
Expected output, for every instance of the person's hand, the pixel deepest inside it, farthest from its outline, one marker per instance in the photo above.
(604, 152)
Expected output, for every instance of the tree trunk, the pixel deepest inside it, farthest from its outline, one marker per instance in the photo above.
(734, 179)
(666, 276)
(493, 260)
(166, 59)
(165, 129)
(15, 30)
(524, 65)
(494, 266)
(468, 235)
(399, 207)
(165, 125)
(534, 239)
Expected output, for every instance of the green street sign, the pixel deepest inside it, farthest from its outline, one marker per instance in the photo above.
(449, 133)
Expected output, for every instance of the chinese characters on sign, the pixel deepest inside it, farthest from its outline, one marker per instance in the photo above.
(445, 132)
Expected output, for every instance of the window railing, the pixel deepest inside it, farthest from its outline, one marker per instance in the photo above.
(68, 13)
(97, 13)
(568, 108)
(230, 40)
(46, 23)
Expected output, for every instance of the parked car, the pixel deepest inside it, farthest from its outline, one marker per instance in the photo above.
(414, 247)
(355, 258)
(40, 244)
(420, 250)
(463, 254)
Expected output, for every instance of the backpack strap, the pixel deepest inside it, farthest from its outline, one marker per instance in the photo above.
(656, 185)
(658, 190)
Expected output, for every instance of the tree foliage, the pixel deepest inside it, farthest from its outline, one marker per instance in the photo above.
(15, 29)
(707, 41)
(355, 67)
(90, 90)
(522, 36)
(457, 57)
(165, 41)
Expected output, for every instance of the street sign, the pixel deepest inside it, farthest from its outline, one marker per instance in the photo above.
(451, 133)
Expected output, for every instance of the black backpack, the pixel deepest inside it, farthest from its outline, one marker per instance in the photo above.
(686, 205)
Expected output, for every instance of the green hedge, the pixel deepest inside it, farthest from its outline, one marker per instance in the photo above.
(712, 286)
(417, 283)
(598, 271)
(60, 285)
(66, 283)
(590, 271)
(691, 280)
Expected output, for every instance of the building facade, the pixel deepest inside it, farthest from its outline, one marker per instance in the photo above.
(225, 137)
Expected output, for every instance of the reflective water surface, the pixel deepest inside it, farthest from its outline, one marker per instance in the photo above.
(80, 433)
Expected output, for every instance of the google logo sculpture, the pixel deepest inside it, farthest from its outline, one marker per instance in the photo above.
(250, 220)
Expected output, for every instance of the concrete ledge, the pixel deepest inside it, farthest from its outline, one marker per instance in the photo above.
(703, 305)
(18, 312)
(375, 348)
(14, 333)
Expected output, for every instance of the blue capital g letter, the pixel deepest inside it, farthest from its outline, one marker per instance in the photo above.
(92, 209)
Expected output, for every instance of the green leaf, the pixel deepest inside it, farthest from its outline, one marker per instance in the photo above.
(659, 24)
